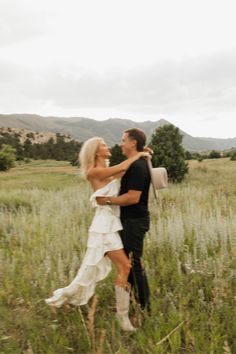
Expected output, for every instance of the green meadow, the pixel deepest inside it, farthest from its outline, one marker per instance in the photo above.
(190, 258)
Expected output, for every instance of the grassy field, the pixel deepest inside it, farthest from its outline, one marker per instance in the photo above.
(190, 257)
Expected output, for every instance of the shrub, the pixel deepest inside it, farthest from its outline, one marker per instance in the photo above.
(7, 157)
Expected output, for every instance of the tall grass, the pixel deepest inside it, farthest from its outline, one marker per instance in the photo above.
(189, 256)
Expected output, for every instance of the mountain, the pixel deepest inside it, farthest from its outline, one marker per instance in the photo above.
(111, 129)
(40, 137)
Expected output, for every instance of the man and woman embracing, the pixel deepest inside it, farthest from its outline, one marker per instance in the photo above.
(117, 231)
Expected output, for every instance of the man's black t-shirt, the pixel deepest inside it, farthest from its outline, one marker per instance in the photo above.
(137, 177)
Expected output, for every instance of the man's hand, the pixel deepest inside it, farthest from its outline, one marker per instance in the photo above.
(129, 198)
(101, 200)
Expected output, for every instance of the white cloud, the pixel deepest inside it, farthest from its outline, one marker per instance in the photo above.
(20, 22)
(165, 86)
(174, 59)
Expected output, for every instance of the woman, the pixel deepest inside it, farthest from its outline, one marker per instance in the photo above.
(104, 244)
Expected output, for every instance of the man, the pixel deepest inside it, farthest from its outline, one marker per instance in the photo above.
(133, 200)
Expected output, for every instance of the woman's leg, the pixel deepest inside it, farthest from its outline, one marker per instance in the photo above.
(123, 266)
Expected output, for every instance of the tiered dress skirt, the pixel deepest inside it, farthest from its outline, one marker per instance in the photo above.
(103, 236)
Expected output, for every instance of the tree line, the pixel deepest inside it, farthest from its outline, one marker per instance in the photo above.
(166, 143)
(58, 149)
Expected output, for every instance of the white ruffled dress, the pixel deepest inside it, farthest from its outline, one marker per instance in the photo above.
(103, 236)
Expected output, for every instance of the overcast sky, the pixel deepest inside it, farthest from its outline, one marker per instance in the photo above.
(135, 59)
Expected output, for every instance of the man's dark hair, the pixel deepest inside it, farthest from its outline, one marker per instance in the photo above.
(138, 135)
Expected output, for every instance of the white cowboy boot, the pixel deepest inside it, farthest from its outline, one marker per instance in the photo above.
(122, 308)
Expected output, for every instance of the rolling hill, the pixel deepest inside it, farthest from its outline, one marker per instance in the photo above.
(111, 129)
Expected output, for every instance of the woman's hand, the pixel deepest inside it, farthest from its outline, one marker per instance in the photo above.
(144, 154)
(148, 149)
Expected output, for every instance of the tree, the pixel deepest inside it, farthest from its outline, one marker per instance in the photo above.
(30, 135)
(116, 155)
(14, 141)
(28, 148)
(166, 143)
(214, 154)
(233, 156)
(7, 157)
(188, 155)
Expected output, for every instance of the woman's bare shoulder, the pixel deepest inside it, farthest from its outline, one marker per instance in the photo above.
(97, 184)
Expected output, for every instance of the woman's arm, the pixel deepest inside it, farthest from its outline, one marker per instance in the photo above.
(119, 175)
(105, 172)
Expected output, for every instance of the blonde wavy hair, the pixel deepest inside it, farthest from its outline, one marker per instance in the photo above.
(87, 155)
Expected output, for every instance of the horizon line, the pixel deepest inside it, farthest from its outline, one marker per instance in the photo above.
(106, 119)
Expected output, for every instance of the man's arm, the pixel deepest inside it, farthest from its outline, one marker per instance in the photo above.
(136, 180)
(130, 198)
